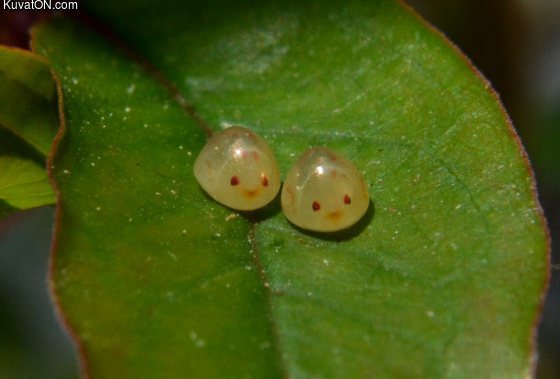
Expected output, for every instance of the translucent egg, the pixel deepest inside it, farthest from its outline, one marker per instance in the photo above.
(324, 192)
(237, 168)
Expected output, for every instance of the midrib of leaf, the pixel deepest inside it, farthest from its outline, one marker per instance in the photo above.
(190, 110)
(277, 342)
(119, 43)
(21, 184)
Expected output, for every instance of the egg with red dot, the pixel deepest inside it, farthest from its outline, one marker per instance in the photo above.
(324, 192)
(237, 168)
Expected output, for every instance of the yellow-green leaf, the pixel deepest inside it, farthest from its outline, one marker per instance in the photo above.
(28, 123)
(28, 98)
(23, 184)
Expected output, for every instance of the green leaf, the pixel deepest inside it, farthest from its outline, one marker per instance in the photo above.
(23, 178)
(28, 123)
(28, 98)
(23, 184)
(442, 279)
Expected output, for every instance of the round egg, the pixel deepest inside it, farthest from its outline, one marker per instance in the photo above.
(237, 168)
(324, 192)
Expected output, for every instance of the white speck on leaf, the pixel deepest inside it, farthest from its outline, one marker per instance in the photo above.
(173, 256)
(170, 296)
(231, 216)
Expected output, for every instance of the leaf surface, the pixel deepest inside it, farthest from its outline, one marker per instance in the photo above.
(24, 184)
(28, 98)
(28, 123)
(442, 278)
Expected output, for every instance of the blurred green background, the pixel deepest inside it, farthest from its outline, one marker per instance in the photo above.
(514, 43)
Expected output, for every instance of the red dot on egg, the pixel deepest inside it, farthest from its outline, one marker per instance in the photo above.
(316, 206)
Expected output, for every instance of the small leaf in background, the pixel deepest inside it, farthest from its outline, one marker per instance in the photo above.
(28, 123)
(23, 184)
(28, 98)
(23, 178)
(444, 276)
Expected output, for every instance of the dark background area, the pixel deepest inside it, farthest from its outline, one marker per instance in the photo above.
(514, 43)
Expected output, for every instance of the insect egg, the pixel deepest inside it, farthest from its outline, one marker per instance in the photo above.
(324, 192)
(237, 168)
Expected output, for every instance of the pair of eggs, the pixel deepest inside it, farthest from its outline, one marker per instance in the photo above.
(322, 192)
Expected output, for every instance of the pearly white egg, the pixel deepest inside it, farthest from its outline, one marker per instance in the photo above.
(237, 168)
(324, 192)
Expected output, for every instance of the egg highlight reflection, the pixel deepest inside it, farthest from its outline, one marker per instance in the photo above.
(237, 168)
(324, 192)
